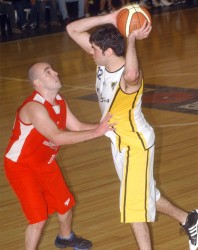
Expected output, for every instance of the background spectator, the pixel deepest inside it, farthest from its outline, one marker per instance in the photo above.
(8, 9)
(65, 13)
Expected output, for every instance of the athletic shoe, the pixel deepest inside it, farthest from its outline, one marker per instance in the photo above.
(191, 229)
(177, 2)
(66, 21)
(110, 10)
(155, 3)
(24, 27)
(102, 13)
(145, 4)
(165, 3)
(33, 26)
(74, 241)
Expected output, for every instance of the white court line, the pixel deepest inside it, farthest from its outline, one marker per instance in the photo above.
(147, 76)
(33, 37)
(90, 87)
(180, 74)
(175, 125)
(13, 79)
(70, 86)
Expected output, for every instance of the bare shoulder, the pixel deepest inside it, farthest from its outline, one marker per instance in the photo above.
(30, 111)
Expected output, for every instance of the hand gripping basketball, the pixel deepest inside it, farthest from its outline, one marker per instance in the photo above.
(132, 17)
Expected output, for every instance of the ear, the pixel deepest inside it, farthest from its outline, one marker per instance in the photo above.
(36, 82)
(109, 52)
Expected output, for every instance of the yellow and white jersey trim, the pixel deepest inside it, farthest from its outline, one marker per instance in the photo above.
(126, 110)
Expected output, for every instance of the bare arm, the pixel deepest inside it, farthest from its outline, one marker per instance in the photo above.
(72, 123)
(35, 114)
(78, 30)
(132, 75)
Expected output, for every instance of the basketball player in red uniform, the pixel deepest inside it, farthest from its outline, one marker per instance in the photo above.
(43, 123)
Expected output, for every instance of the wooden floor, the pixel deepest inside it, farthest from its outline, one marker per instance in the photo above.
(169, 59)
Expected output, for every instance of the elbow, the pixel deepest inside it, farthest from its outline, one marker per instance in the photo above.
(56, 140)
(69, 29)
(132, 77)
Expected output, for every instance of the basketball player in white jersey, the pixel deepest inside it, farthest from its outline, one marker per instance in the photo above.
(119, 87)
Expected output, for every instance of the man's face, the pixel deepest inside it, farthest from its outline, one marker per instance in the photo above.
(98, 55)
(48, 77)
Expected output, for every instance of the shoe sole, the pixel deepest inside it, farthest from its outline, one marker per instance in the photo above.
(81, 248)
(75, 248)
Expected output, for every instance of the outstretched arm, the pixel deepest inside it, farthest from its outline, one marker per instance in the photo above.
(35, 114)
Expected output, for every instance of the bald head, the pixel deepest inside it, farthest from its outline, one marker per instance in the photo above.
(44, 78)
(36, 70)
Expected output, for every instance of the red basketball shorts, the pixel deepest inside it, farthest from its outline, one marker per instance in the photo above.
(41, 190)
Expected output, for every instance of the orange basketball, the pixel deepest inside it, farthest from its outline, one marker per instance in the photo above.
(132, 17)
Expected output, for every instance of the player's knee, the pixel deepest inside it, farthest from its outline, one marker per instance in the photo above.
(38, 226)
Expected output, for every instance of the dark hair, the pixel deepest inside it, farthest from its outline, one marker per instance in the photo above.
(108, 36)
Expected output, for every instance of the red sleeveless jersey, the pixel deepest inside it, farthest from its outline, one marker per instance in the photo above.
(27, 146)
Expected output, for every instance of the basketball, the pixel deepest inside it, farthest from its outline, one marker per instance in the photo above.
(132, 17)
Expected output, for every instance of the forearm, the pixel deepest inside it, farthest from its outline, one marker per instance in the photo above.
(87, 126)
(90, 131)
(86, 24)
(72, 137)
(132, 71)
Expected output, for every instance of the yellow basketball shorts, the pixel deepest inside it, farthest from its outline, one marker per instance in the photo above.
(138, 194)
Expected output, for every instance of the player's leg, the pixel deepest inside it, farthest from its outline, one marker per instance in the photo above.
(81, 8)
(165, 207)
(33, 234)
(142, 235)
(65, 221)
(29, 193)
(66, 237)
(59, 197)
(189, 221)
(137, 195)
(102, 10)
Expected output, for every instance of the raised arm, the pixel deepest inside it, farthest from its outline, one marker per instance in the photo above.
(35, 114)
(132, 75)
(78, 30)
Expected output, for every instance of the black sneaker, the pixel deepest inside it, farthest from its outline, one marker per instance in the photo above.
(33, 26)
(76, 242)
(191, 229)
(24, 27)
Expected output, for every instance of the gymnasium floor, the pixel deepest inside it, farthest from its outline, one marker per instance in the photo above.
(168, 59)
